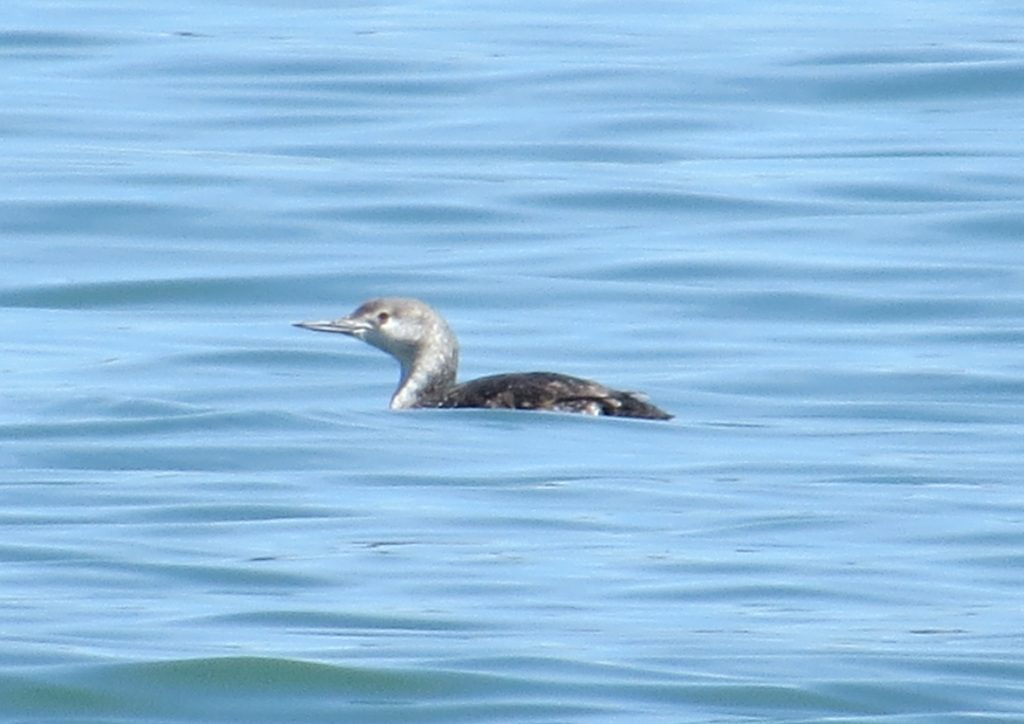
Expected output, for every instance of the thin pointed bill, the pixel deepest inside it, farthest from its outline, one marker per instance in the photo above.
(341, 326)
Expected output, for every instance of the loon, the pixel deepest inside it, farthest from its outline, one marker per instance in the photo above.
(425, 346)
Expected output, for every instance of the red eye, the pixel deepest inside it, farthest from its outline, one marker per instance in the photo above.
(383, 318)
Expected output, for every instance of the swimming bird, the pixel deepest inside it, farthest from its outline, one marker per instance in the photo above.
(425, 346)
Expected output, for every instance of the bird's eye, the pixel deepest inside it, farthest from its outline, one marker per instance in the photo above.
(383, 317)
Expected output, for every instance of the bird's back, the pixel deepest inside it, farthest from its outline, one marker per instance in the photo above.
(549, 391)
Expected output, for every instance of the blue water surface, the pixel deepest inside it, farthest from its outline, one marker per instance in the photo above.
(796, 226)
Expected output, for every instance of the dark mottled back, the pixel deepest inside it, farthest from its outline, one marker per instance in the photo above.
(549, 391)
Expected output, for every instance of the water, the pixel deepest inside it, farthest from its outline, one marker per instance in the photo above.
(796, 227)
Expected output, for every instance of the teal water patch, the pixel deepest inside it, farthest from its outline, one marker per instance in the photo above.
(273, 689)
(276, 689)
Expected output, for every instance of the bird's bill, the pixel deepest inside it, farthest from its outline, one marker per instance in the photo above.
(345, 325)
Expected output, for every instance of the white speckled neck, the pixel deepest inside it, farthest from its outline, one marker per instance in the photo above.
(427, 376)
(429, 367)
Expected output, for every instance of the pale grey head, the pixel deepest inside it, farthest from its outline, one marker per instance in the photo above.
(411, 332)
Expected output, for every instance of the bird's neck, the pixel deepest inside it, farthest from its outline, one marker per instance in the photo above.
(428, 372)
